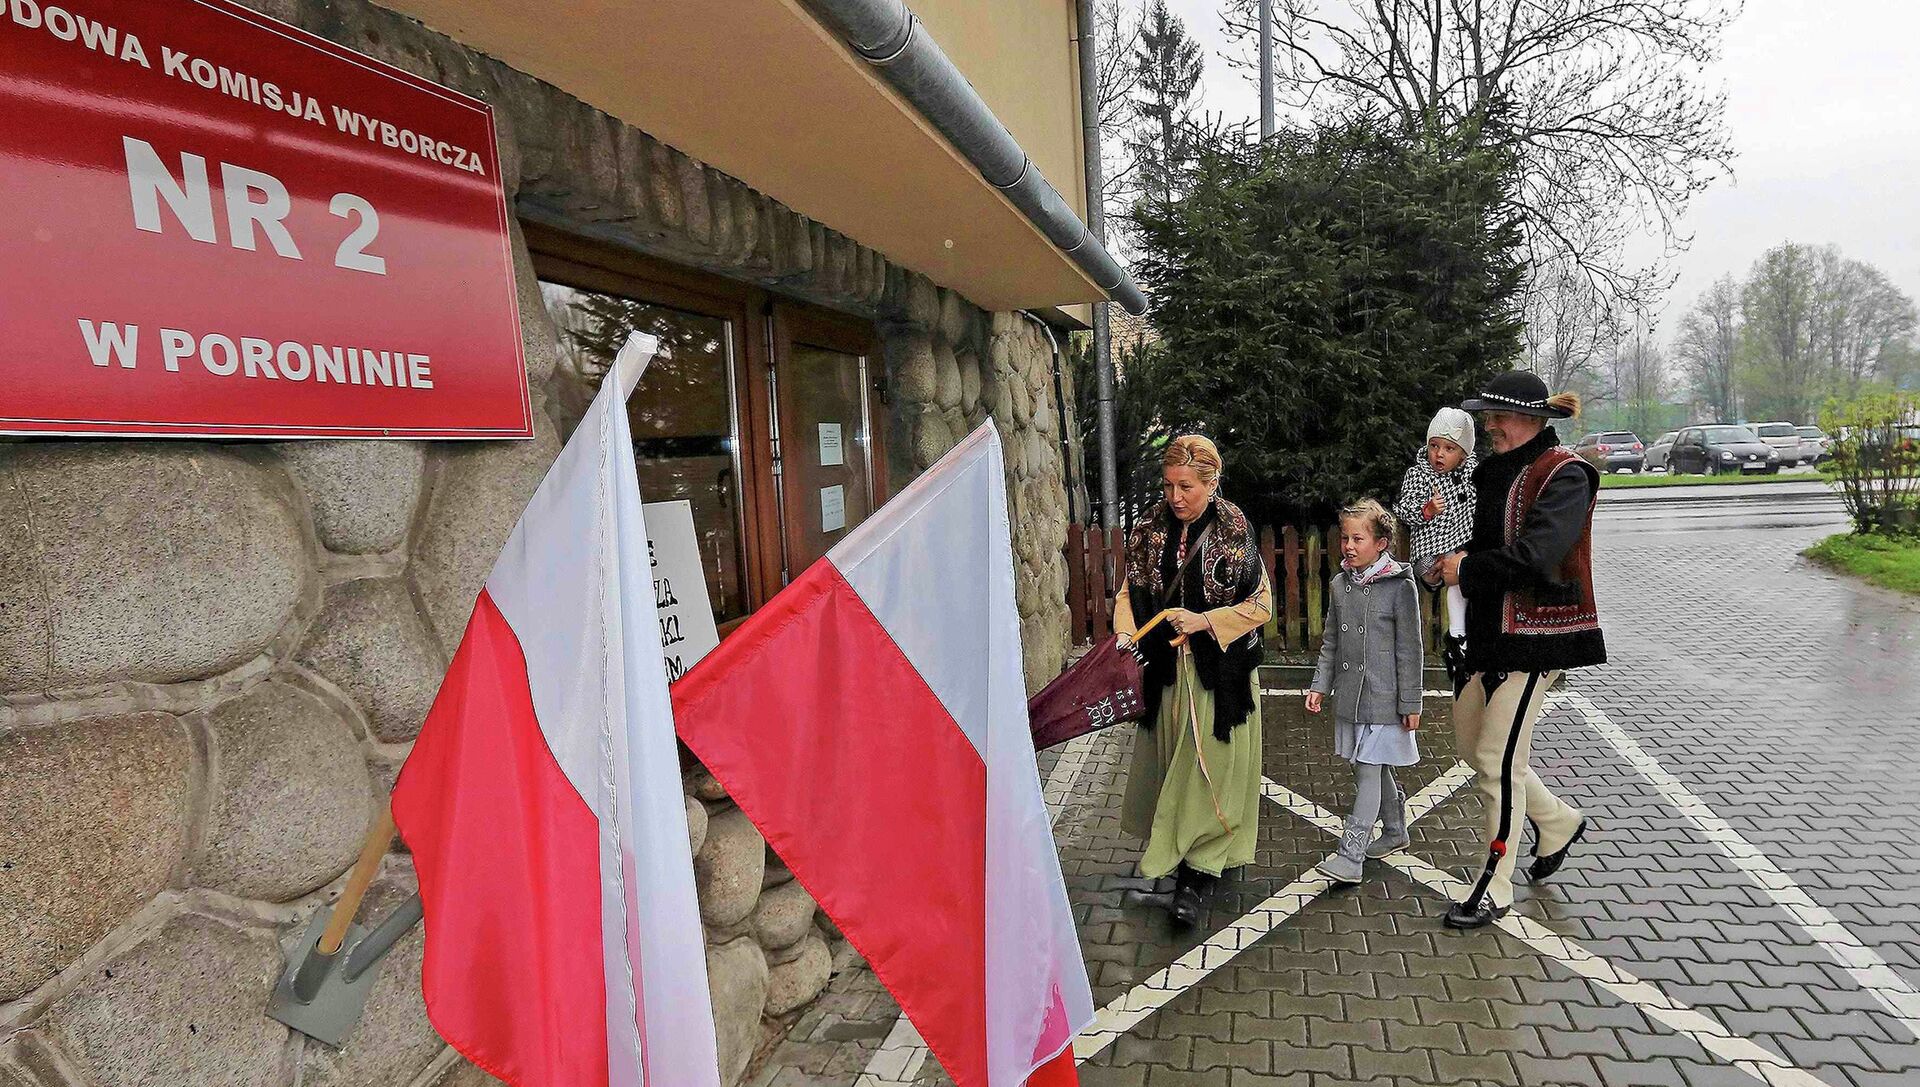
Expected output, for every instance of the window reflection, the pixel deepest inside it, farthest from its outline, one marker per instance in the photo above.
(685, 433)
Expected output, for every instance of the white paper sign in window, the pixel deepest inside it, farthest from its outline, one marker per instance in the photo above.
(833, 508)
(687, 631)
(832, 449)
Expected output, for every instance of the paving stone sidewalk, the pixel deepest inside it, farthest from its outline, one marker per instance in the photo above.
(1779, 697)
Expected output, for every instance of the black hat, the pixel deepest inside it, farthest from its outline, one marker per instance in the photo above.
(1516, 391)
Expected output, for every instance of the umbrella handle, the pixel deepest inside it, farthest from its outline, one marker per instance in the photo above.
(1151, 623)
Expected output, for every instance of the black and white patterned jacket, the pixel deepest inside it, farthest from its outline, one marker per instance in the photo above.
(1428, 538)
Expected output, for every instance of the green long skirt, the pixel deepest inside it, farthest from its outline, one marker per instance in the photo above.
(1192, 797)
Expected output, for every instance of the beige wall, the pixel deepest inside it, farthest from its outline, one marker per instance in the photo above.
(1020, 55)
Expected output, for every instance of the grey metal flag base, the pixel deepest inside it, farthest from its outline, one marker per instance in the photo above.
(322, 996)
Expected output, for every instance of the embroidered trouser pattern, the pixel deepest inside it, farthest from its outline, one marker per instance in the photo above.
(1375, 796)
(1493, 730)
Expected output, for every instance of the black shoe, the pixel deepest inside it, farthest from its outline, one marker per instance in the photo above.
(1545, 867)
(1184, 908)
(1486, 913)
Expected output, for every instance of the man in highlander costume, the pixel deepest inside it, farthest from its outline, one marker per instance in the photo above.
(1528, 580)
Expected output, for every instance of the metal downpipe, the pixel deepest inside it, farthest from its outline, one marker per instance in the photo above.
(892, 39)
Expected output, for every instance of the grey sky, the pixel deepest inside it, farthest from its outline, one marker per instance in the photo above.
(1824, 111)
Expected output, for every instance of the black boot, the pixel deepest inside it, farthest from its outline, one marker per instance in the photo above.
(1187, 888)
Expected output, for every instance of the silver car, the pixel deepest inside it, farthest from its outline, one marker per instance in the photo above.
(1657, 452)
(1812, 437)
(1785, 440)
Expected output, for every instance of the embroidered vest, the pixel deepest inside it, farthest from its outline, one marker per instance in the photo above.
(1568, 606)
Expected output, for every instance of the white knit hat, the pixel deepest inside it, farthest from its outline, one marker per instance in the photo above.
(1455, 426)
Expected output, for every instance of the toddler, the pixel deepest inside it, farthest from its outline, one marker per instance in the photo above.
(1370, 667)
(1436, 504)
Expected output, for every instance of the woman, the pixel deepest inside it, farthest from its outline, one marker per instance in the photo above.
(1193, 792)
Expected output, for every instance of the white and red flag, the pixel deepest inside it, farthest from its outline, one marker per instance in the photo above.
(543, 805)
(871, 720)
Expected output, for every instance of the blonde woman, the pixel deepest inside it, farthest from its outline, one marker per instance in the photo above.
(1193, 791)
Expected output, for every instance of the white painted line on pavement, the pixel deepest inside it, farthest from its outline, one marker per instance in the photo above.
(1742, 1053)
(1301, 692)
(1864, 964)
(1149, 996)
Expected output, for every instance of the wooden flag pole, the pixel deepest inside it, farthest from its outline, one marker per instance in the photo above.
(379, 837)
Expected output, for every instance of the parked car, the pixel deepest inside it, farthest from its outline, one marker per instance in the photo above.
(1721, 448)
(1785, 440)
(1657, 452)
(1816, 438)
(1612, 451)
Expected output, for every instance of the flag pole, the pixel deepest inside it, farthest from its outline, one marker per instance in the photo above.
(379, 837)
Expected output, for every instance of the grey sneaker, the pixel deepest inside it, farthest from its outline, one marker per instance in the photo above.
(1340, 869)
(1388, 844)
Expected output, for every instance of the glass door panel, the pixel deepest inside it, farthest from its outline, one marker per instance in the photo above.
(683, 414)
(824, 449)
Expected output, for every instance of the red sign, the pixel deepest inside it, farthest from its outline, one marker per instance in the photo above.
(218, 225)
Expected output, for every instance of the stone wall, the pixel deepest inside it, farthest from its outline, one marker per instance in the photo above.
(214, 657)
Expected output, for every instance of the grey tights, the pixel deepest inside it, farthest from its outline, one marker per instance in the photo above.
(1376, 796)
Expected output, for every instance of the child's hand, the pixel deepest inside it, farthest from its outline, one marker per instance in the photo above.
(1435, 505)
(1313, 701)
(1411, 721)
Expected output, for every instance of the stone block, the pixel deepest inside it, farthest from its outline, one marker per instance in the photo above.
(923, 302)
(539, 341)
(289, 799)
(696, 824)
(796, 981)
(394, 1042)
(915, 373)
(946, 375)
(184, 1007)
(737, 979)
(663, 186)
(466, 1075)
(783, 916)
(729, 867)
(953, 317)
(480, 494)
(362, 494)
(701, 783)
(97, 812)
(932, 439)
(970, 384)
(156, 562)
(370, 641)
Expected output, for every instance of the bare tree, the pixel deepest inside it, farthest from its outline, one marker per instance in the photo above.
(1642, 378)
(1859, 317)
(1601, 103)
(1706, 345)
(1570, 330)
(1117, 75)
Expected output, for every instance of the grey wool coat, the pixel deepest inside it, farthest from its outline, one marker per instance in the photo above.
(1371, 657)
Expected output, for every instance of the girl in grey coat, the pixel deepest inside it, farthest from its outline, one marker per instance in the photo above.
(1370, 663)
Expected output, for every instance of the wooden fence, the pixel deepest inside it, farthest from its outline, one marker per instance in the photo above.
(1301, 563)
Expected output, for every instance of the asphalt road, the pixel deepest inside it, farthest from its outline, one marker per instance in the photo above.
(1628, 513)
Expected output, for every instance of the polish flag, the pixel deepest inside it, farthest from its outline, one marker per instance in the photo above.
(871, 720)
(542, 801)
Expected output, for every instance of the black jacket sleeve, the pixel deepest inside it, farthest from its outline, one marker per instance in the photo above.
(1533, 559)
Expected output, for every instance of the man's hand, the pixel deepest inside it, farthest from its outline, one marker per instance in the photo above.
(1313, 701)
(1411, 721)
(1449, 567)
